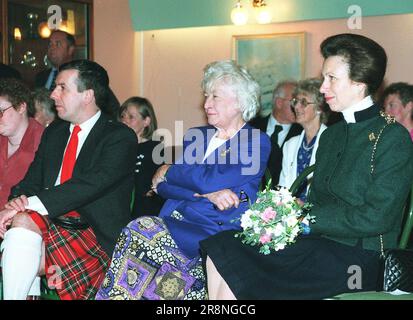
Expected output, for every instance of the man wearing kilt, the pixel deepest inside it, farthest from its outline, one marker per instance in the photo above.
(64, 217)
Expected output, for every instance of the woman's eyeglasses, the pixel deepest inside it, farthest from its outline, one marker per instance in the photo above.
(4, 110)
(301, 101)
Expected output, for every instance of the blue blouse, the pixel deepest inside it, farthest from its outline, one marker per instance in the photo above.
(303, 161)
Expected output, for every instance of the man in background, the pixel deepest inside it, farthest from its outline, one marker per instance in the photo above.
(61, 49)
(279, 125)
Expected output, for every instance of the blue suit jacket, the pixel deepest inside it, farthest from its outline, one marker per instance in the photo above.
(237, 165)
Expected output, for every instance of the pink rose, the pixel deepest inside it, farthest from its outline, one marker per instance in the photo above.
(265, 238)
(268, 214)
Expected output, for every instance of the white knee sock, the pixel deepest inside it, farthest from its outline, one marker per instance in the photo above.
(22, 251)
(35, 288)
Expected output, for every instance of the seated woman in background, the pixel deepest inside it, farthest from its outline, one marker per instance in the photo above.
(19, 134)
(398, 102)
(222, 165)
(44, 106)
(299, 151)
(363, 173)
(138, 114)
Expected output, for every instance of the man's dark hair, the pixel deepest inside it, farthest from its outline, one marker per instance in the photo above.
(93, 76)
(70, 38)
(366, 59)
(17, 93)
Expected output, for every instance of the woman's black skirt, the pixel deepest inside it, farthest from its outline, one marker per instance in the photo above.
(311, 268)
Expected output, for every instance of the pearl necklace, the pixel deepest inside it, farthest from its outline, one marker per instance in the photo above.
(306, 148)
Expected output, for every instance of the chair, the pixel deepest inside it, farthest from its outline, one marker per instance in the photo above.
(46, 293)
(265, 179)
(403, 243)
(301, 178)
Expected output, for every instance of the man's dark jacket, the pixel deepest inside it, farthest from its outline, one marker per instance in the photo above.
(276, 155)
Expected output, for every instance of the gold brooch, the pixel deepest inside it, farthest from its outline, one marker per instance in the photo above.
(224, 152)
(372, 137)
(389, 119)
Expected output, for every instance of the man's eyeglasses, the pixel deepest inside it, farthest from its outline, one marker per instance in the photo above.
(4, 110)
(302, 101)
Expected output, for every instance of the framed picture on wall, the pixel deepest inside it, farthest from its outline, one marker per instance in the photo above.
(271, 58)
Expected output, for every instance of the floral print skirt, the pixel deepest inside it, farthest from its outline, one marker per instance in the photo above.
(148, 265)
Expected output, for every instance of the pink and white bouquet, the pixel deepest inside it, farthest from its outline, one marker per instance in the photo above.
(274, 220)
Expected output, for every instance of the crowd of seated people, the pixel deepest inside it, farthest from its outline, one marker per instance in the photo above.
(89, 192)
(363, 173)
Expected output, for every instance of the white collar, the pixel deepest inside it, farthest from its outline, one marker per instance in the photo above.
(348, 113)
(272, 122)
(87, 125)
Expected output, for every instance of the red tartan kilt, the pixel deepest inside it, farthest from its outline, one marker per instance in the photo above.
(75, 263)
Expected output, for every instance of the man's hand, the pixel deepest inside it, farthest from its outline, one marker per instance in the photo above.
(19, 204)
(159, 176)
(222, 199)
(6, 218)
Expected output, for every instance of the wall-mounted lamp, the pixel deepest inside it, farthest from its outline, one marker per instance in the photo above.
(239, 15)
(17, 34)
(262, 13)
(44, 30)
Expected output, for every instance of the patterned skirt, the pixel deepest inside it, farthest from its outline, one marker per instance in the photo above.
(75, 263)
(148, 265)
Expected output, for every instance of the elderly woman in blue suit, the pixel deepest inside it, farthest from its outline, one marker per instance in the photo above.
(299, 152)
(207, 189)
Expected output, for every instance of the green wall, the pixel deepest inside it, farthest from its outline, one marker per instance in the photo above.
(165, 14)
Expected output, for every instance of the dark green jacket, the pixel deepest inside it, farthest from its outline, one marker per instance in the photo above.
(350, 203)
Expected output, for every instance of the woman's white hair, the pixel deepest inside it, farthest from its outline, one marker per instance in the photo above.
(245, 87)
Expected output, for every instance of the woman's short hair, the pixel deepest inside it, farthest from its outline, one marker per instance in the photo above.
(145, 109)
(42, 97)
(311, 87)
(366, 59)
(403, 90)
(245, 87)
(17, 93)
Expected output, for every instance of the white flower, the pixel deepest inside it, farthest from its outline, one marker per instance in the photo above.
(290, 220)
(279, 230)
(246, 221)
(279, 246)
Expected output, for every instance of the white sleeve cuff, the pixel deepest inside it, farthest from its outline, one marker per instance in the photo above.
(36, 205)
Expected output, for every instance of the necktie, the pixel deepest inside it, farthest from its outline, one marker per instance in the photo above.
(274, 136)
(52, 83)
(69, 160)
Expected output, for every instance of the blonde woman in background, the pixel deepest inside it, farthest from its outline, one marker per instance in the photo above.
(139, 115)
